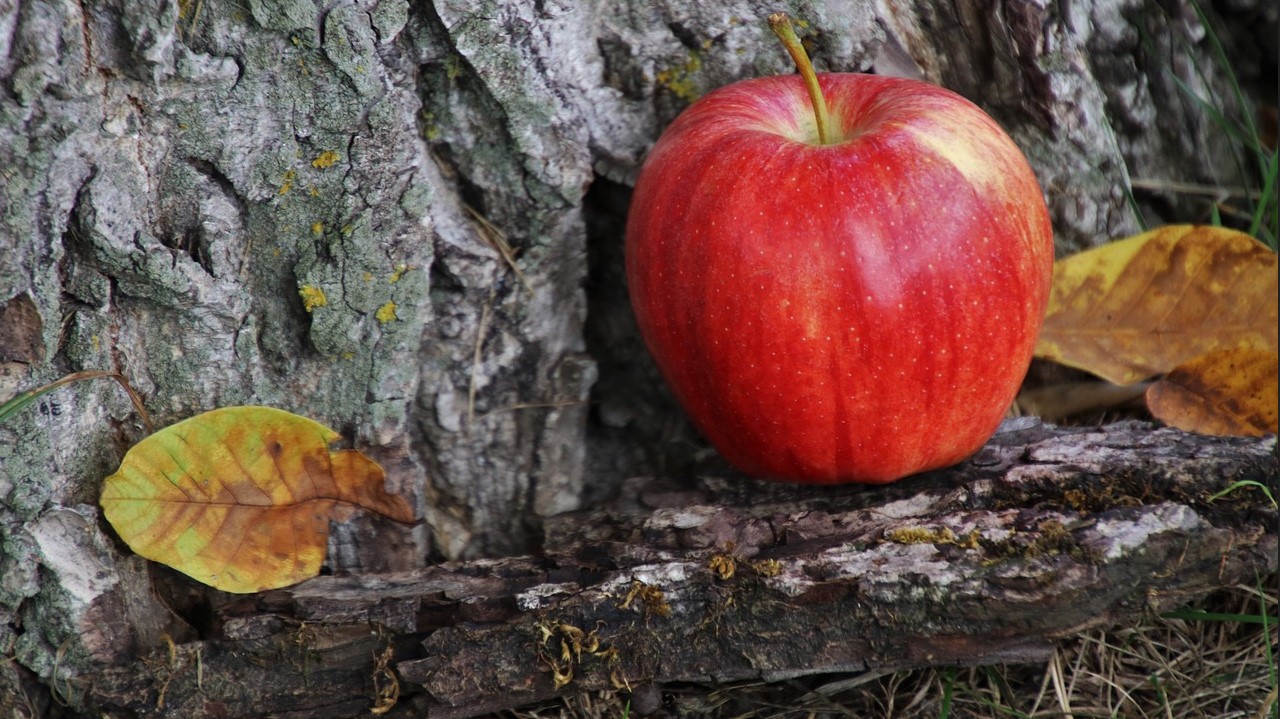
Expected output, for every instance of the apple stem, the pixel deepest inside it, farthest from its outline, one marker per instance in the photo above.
(780, 23)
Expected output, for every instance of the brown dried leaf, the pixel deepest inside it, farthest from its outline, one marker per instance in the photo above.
(240, 498)
(1139, 307)
(1227, 392)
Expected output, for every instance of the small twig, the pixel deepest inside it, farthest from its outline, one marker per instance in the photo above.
(498, 240)
(173, 670)
(1267, 703)
(386, 687)
(1231, 210)
(195, 17)
(60, 697)
(534, 405)
(481, 330)
(1190, 188)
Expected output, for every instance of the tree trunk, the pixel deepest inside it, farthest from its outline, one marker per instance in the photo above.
(404, 220)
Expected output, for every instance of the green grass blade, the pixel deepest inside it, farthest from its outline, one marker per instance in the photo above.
(1160, 692)
(1198, 615)
(1219, 119)
(948, 686)
(1242, 133)
(1268, 195)
(1248, 134)
(1243, 484)
(17, 403)
(1274, 671)
(1220, 55)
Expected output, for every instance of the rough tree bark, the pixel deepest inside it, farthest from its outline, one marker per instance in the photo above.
(1043, 534)
(307, 205)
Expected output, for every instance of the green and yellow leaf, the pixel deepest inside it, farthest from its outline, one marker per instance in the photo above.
(240, 498)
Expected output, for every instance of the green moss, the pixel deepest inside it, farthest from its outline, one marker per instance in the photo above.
(454, 66)
(922, 535)
(430, 129)
(1051, 537)
(29, 82)
(340, 264)
(917, 535)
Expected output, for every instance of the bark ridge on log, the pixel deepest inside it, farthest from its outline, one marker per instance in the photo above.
(1045, 533)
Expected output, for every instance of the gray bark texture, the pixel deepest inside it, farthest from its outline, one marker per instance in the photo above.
(404, 220)
(1045, 533)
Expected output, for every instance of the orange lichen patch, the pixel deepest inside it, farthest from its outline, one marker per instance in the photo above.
(387, 313)
(679, 79)
(325, 160)
(312, 297)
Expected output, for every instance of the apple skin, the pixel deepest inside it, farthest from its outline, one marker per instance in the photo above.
(852, 312)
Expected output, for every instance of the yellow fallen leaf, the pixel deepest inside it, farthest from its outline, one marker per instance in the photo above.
(1140, 307)
(240, 498)
(1227, 392)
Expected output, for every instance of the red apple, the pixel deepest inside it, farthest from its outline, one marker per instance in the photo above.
(850, 311)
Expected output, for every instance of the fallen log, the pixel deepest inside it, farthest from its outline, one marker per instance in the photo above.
(1045, 533)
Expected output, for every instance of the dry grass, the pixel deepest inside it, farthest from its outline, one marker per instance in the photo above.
(1168, 667)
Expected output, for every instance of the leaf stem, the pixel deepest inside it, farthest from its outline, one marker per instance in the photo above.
(780, 23)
